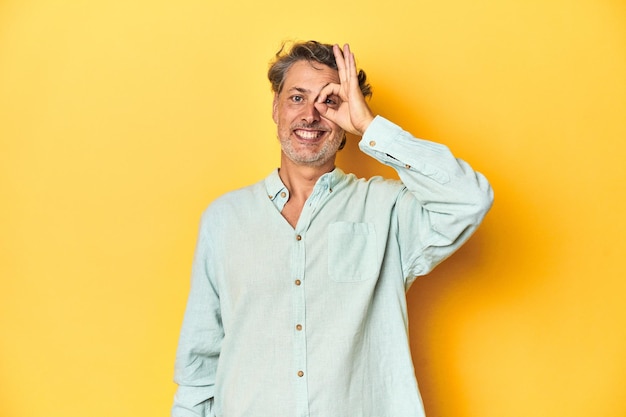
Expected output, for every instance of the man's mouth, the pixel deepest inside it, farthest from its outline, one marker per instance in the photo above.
(307, 134)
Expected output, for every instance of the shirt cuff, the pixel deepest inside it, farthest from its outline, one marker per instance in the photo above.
(391, 145)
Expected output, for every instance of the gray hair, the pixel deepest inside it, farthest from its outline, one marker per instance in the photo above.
(311, 51)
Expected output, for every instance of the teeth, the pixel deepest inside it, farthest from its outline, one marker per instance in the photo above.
(307, 134)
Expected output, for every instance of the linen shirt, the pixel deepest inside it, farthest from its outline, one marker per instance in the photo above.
(311, 321)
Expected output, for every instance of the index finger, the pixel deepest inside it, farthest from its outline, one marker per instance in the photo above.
(328, 91)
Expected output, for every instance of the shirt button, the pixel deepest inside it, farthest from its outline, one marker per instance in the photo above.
(300, 374)
(372, 143)
(298, 327)
(298, 237)
(298, 282)
(407, 166)
(283, 194)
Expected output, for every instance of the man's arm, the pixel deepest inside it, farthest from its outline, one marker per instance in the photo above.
(445, 200)
(200, 340)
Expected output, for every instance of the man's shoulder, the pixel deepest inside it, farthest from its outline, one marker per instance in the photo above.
(376, 183)
(234, 200)
(236, 196)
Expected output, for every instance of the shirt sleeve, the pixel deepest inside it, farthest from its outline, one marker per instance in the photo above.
(444, 200)
(200, 340)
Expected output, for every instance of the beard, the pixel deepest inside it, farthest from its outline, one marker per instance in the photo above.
(314, 154)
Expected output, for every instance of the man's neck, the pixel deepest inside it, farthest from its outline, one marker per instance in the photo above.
(301, 179)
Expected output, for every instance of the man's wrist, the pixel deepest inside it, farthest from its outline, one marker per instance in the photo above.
(368, 121)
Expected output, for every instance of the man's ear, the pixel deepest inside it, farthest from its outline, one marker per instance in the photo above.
(275, 108)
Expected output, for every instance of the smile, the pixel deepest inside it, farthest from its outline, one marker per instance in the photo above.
(308, 134)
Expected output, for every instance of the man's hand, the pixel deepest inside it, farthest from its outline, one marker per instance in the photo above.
(352, 114)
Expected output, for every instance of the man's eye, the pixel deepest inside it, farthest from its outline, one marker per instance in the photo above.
(296, 99)
(332, 101)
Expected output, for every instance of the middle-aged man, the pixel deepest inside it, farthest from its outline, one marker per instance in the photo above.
(297, 305)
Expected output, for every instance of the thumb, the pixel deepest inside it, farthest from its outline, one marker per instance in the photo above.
(325, 111)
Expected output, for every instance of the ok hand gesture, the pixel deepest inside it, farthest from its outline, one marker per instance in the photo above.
(352, 113)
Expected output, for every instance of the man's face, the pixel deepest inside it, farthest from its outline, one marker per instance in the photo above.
(305, 137)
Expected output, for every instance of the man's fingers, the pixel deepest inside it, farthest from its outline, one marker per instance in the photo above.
(325, 111)
(329, 100)
(329, 90)
(343, 103)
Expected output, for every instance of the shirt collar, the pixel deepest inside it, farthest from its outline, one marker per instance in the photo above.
(273, 185)
(279, 194)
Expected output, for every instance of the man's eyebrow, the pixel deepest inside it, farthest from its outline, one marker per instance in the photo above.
(306, 90)
(300, 90)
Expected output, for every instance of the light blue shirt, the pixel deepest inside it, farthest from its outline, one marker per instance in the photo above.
(312, 321)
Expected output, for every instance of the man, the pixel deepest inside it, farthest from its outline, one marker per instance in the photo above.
(297, 305)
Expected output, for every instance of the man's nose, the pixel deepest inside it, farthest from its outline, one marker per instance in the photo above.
(310, 113)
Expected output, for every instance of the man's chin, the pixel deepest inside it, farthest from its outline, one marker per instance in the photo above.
(307, 160)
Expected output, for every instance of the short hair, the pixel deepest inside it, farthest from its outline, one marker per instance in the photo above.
(312, 52)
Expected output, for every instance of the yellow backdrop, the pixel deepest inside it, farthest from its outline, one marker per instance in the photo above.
(120, 120)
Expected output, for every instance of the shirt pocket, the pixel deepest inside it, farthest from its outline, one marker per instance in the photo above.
(352, 252)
